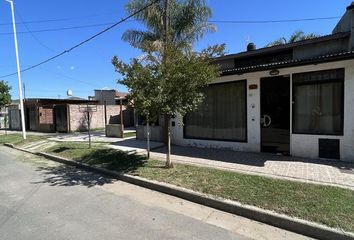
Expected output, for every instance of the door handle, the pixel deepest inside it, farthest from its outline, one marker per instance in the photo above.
(267, 120)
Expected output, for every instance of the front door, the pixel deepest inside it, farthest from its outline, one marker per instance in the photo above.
(275, 114)
(61, 118)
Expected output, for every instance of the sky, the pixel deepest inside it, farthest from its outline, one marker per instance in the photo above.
(89, 67)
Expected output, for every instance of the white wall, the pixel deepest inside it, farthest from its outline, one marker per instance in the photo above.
(300, 144)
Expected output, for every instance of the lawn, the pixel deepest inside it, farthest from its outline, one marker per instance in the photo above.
(129, 134)
(328, 205)
(98, 155)
(17, 140)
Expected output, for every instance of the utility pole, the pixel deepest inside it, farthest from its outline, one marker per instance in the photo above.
(165, 59)
(18, 71)
(121, 117)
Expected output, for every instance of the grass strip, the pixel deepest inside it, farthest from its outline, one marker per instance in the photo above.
(17, 140)
(331, 206)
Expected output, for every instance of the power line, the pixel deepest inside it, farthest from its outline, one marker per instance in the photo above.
(59, 29)
(85, 41)
(33, 35)
(58, 19)
(211, 21)
(273, 21)
(68, 77)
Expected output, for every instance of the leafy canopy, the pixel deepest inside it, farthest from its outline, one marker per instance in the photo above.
(188, 22)
(5, 96)
(295, 37)
(169, 86)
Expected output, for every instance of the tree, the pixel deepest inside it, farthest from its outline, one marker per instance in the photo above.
(171, 87)
(187, 23)
(172, 27)
(140, 76)
(5, 96)
(295, 37)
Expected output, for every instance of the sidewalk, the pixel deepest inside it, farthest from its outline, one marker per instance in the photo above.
(327, 172)
(300, 169)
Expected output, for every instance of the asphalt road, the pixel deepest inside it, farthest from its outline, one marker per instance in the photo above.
(40, 199)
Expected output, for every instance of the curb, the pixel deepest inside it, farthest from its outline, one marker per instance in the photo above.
(282, 221)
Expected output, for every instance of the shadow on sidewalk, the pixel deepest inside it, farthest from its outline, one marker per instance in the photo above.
(248, 158)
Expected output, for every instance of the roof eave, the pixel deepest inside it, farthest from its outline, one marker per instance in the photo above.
(291, 64)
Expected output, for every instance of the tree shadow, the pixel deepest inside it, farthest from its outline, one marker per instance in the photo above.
(111, 159)
(61, 149)
(64, 175)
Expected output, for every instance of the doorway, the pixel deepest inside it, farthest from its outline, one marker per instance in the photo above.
(275, 114)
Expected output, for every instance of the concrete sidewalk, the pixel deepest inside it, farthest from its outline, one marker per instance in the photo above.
(327, 172)
(96, 136)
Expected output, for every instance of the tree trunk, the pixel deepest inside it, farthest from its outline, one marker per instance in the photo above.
(168, 154)
(148, 137)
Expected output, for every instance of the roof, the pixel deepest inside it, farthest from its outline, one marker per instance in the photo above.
(285, 46)
(59, 101)
(290, 63)
(121, 94)
(75, 98)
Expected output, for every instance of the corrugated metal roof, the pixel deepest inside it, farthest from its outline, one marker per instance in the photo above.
(284, 46)
(294, 62)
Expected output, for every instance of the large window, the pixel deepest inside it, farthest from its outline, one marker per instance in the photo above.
(318, 102)
(222, 115)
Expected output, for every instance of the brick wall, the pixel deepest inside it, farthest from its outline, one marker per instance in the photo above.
(78, 120)
(46, 115)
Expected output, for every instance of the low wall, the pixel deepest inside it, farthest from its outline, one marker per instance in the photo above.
(79, 120)
(156, 133)
(114, 130)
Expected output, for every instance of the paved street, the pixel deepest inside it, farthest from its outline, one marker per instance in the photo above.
(41, 199)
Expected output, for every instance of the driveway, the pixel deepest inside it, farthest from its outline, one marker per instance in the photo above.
(41, 199)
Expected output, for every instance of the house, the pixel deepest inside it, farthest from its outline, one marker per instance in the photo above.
(62, 115)
(110, 97)
(293, 99)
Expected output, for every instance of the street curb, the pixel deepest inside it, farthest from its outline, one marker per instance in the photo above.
(282, 221)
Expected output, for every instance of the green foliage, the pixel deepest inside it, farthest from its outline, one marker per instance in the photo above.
(295, 37)
(169, 86)
(168, 79)
(188, 22)
(5, 96)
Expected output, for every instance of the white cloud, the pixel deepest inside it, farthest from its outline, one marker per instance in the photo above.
(72, 68)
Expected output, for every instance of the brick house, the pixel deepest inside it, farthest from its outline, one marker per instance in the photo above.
(63, 115)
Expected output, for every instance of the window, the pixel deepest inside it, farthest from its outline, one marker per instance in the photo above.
(318, 102)
(221, 116)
